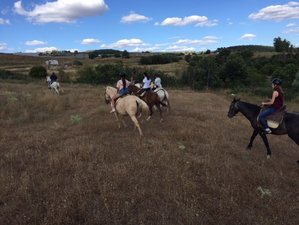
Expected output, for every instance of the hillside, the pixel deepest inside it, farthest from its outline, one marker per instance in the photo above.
(23, 64)
(191, 169)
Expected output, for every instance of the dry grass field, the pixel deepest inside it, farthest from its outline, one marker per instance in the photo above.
(64, 161)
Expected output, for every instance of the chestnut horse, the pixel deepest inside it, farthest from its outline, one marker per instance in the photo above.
(151, 98)
(127, 105)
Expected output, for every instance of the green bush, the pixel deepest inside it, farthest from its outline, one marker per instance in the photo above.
(38, 72)
(4, 74)
(77, 63)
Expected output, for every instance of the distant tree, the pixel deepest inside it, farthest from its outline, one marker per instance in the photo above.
(125, 54)
(281, 45)
(38, 72)
(188, 58)
(234, 71)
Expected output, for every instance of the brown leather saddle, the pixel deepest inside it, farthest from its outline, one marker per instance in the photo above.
(275, 119)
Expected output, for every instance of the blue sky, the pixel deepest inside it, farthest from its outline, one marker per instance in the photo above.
(144, 25)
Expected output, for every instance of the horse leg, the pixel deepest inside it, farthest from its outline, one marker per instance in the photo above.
(295, 137)
(264, 137)
(151, 111)
(160, 111)
(168, 104)
(135, 121)
(254, 134)
(117, 119)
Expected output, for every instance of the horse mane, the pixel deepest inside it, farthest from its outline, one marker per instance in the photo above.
(251, 109)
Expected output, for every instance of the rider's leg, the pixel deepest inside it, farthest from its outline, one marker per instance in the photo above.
(263, 115)
(113, 102)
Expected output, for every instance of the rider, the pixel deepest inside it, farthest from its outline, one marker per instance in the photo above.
(122, 89)
(146, 83)
(158, 82)
(275, 103)
(53, 78)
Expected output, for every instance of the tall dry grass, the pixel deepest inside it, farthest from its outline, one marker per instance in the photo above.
(191, 169)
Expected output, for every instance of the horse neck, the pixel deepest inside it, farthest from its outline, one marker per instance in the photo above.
(250, 111)
(111, 91)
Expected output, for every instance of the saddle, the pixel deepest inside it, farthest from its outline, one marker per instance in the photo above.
(275, 119)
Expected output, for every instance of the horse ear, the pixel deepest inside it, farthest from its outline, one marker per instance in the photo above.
(235, 97)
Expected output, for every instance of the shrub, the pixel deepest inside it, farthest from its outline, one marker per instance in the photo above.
(77, 63)
(38, 72)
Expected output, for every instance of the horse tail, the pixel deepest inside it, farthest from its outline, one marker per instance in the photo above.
(142, 106)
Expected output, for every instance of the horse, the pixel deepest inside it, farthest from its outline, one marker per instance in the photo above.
(151, 98)
(163, 95)
(127, 105)
(289, 124)
(55, 86)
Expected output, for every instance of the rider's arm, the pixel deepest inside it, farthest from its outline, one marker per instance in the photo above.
(274, 95)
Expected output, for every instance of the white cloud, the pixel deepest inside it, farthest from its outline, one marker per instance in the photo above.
(179, 48)
(3, 46)
(4, 21)
(277, 12)
(204, 41)
(90, 41)
(290, 25)
(62, 11)
(35, 42)
(134, 42)
(134, 17)
(188, 20)
(248, 36)
(294, 30)
(45, 49)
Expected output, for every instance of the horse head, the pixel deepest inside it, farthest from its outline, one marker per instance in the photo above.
(109, 93)
(233, 108)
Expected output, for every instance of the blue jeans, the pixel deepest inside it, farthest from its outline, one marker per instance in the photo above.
(264, 114)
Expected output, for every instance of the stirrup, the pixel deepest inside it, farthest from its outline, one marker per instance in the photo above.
(268, 131)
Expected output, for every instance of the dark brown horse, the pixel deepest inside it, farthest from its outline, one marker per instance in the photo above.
(150, 97)
(289, 125)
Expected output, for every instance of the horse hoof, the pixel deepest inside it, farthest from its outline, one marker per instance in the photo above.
(268, 156)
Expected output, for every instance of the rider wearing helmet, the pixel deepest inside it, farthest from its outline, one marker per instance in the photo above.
(275, 103)
(122, 89)
(53, 78)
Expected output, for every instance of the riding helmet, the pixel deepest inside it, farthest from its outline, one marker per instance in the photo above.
(122, 74)
(277, 81)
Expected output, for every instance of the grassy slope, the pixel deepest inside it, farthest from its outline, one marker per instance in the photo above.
(23, 64)
(191, 169)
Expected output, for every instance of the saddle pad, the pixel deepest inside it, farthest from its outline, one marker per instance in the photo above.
(272, 124)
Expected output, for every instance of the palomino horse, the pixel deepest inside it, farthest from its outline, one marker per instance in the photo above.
(55, 86)
(127, 105)
(163, 95)
(289, 124)
(151, 98)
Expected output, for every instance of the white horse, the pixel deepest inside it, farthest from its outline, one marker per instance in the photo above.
(164, 96)
(55, 86)
(128, 105)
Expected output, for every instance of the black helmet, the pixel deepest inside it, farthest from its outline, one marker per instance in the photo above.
(122, 74)
(276, 81)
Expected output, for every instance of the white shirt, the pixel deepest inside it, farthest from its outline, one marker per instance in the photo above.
(119, 84)
(158, 82)
(146, 83)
